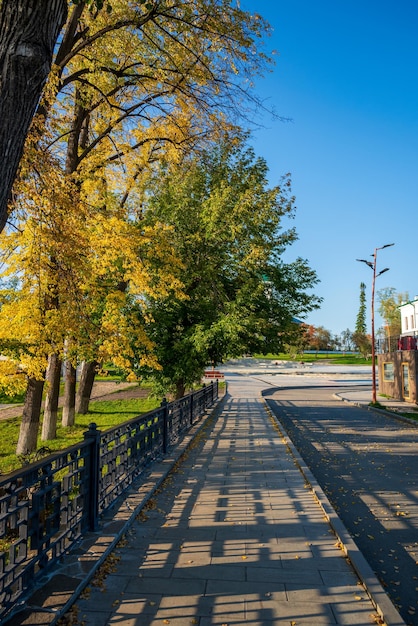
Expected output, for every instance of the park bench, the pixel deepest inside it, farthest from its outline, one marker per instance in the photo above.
(214, 374)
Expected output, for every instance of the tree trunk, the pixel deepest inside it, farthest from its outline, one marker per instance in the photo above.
(85, 385)
(68, 410)
(29, 427)
(180, 389)
(28, 32)
(53, 378)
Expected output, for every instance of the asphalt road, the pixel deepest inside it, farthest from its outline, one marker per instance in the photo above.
(367, 465)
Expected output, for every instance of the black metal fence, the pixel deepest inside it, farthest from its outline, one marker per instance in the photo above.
(400, 342)
(47, 506)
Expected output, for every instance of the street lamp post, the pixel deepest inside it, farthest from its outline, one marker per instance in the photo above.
(372, 265)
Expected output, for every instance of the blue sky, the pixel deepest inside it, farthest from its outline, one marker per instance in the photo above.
(346, 74)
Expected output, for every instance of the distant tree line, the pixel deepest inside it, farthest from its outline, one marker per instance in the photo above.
(318, 338)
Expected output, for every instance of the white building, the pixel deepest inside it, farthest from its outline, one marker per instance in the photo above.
(409, 317)
(398, 365)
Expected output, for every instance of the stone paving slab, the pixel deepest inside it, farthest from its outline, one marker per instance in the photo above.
(54, 595)
(235, 536)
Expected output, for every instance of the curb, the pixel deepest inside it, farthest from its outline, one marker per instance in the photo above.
(374, 589)
(388, 412)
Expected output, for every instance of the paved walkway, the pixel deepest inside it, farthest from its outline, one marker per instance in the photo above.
(365, 461)
(236, 536)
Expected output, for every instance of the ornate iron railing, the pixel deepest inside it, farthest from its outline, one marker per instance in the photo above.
(47, 506)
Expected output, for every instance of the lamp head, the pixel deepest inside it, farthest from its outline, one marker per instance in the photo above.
(369, 263)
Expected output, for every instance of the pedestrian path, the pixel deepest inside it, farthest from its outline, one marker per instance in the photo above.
(234, 536)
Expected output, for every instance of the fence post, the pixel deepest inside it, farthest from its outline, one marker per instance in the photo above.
(92, 435)
(191, 408)
(164, 405)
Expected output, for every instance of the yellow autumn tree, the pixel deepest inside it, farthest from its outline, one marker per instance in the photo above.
(146, 81)
(82, 275)
(39, 251)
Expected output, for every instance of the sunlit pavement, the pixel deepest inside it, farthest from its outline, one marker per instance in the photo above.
(239, 532)
(354, 382)
(235, 536)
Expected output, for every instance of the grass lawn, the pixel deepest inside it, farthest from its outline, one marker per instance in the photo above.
(104, 413)
(334, 359)
(411, 415)
(18, 399)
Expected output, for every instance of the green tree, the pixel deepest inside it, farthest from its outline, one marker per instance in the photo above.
(389, 301)
(360, 337)
(361, 325)
(298, 340)
(239, 295)
(320, 338)
(346, 339)
(363, 343)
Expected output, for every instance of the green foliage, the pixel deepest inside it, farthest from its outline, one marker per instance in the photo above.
(346, 339)
(360, 338)
(239, 296)
(309, 337)
(321, 339)
(410, 415)
(361, 326)
(389, 302)
(363, 343)
(12, 399)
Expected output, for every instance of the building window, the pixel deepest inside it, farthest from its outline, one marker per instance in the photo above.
(388, 373)
(406, 323)
(412, 322)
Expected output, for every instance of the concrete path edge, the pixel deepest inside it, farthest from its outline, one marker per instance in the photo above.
(388, 412)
